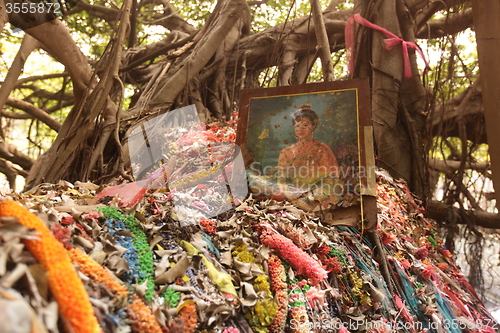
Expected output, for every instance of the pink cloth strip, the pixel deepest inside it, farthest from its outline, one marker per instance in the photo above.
(389, 43)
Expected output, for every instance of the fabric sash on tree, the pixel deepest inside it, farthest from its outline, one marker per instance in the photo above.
(389, 43)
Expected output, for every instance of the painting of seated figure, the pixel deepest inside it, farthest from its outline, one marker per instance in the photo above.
(307, 143)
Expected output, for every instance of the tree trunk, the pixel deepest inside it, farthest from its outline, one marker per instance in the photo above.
(392, 148)
(487, 27)
(397, 103)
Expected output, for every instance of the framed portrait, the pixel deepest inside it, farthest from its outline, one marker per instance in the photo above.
(311, 144)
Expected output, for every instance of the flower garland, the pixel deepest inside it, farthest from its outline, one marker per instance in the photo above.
(96, 272)
(141, 243)
(298, 236)
(426, 287)
(330, 262)
(62, 234)
(172, 297)
(262, 314)
(64, 283)
(299, 321)
(231, 330)
(208, 226)
(432, 292)
(278, 282)
(144, 320)
(89, 267)
(243, 255)
(127, 242)
(186, 321)
(357, 288)
(299, 259)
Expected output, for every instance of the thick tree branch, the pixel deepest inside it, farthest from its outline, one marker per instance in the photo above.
(35, 112)
(424, 10)
(109, 15)
(96, 102)
(15, 115)
(414, 109)
(135, 57)
(24, 115)
(132, 36)
(42, 93)
(450, 25)
(466, 106)
(9, 152)
(448, 166)
(441, 212)
(392, 147)
(298, 35)
(24, 80)
(65, 51)
(27, 46)
(171, 20)
(9, 172)
(111, 112)
(452, 107)
(286, 68)
(303, 67)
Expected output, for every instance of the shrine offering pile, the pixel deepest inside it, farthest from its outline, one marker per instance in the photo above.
(75, 260)
(69, 263)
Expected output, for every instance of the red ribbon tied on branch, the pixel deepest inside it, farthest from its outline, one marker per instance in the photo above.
(390, 42)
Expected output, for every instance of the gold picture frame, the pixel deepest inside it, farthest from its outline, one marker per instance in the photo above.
(300, 169)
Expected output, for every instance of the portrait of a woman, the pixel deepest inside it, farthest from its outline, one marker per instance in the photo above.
(308, 172)
(306, 144)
